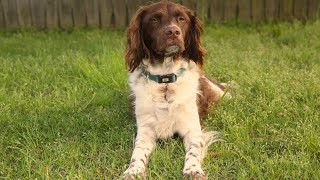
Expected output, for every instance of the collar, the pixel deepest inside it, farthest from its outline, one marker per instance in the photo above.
(167, 78)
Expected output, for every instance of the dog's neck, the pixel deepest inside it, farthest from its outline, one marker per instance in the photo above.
(166, 62)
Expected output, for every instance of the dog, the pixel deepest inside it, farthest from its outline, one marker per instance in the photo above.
(170, 93)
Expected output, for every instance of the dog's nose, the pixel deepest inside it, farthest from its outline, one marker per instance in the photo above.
(172, 31)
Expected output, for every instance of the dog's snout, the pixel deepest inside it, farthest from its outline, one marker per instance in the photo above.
(172, 31)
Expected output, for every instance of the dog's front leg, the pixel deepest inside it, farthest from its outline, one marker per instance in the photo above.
(144, 144)
(194, 145)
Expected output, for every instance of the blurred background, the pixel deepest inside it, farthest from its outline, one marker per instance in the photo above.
(50, 14)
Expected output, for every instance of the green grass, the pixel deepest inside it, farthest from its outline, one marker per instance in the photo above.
(64, 111)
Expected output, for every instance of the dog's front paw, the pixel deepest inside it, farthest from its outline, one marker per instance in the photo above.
(193, 172)
(134, 172)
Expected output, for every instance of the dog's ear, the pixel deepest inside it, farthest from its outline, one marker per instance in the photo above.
(136, 50)
(194, 49)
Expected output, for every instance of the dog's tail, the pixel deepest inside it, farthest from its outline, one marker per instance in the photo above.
(209, 138)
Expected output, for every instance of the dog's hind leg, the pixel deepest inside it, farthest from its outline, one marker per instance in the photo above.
(211, 92)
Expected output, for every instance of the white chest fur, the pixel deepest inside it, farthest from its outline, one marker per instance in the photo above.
(165, 108)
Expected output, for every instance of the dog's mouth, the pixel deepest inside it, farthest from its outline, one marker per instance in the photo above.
(171, 47)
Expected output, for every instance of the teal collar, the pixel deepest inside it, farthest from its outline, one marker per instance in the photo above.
(167, 78)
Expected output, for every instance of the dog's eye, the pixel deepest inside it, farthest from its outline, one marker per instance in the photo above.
(182, 19)
(154, 20)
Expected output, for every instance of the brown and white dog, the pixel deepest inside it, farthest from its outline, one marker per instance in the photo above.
(164, 57)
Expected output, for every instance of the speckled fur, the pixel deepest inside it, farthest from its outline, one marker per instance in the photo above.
(156, 32)
(162, 110)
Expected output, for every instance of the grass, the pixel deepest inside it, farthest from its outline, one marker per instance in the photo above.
(64, 111)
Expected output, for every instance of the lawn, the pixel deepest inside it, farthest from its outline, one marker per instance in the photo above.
(64, 110)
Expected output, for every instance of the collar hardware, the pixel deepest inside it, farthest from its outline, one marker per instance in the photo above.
(167, 78)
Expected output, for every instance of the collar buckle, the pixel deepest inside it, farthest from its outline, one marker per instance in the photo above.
(168, 78)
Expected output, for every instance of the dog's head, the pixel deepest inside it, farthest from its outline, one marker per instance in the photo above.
(163, 29)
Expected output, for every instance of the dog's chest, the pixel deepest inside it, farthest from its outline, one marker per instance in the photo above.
(165, 95)
(169, 104)
(151, 96)
(165, 104)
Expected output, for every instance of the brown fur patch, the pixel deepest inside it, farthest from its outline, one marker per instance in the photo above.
(208, 96)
